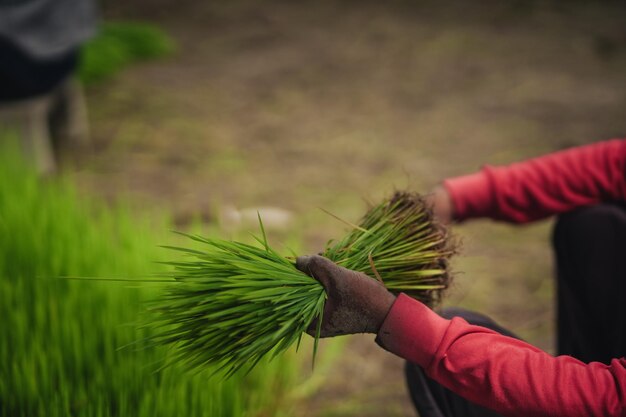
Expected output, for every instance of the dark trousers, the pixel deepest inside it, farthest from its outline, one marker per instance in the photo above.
(590, 249)
(23, 77)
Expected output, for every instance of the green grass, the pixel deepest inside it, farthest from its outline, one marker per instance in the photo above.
(62, 341)
(119, 44)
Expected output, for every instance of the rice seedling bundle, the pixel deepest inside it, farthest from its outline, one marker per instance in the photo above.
(399, 243)
(233, 303)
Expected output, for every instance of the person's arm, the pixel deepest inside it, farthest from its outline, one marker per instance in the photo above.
(540, 187)
(498, 372)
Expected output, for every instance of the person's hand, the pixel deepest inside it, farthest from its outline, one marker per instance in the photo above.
(441, 203)
(356, 303)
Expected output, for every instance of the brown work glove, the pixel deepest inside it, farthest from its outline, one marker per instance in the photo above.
(356, 303)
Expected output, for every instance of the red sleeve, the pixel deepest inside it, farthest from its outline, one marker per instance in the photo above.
(499, 372)
(543, 186)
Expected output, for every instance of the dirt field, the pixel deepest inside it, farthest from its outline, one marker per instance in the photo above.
(323, 104)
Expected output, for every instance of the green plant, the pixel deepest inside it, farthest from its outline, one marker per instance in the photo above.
(117, 45)
(233, 303)
(73, 347)
(400, 243)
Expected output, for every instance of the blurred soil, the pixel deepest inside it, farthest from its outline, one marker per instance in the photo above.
(300, 105)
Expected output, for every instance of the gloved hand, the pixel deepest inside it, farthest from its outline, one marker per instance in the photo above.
(356, 303)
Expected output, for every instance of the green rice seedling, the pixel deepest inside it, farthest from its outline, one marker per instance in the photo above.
(234, 303)
(119, 44)
(62, 342)
(400, 243)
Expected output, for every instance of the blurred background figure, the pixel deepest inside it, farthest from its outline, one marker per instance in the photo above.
(40, 99)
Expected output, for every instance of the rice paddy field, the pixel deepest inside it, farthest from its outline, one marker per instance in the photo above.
(75, 347)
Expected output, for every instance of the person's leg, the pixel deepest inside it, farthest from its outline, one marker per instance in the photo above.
(590, 247)
(28, 87)
(28, 120)
(68, 118)
(432, 399)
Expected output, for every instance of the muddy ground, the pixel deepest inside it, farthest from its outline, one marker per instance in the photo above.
(300, 105)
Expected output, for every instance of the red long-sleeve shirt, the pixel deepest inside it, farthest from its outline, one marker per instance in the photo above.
(498, 372)
(540, 187)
